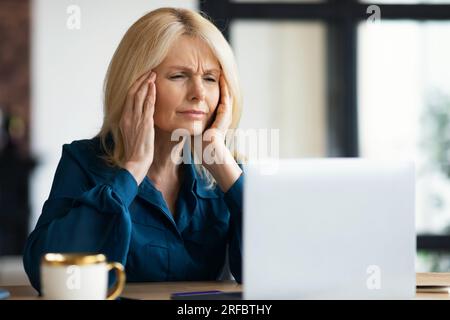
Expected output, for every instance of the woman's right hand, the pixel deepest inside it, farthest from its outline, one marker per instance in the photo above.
(137, 128)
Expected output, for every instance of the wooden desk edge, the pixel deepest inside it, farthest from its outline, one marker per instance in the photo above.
(162, 290)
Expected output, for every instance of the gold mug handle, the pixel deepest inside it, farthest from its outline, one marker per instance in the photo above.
(120, 281)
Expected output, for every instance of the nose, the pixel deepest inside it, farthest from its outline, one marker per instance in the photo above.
(197, 89)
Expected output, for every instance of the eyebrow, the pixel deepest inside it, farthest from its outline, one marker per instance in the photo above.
(213, 70)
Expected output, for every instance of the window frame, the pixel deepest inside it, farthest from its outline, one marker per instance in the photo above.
(341, 18)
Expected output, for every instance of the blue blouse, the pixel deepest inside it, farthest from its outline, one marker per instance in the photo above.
(93, 207)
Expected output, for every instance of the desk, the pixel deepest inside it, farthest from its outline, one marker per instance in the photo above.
(145, 291)
(162, 290)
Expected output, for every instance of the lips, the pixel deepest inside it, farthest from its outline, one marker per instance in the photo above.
(193, 114)
(193, 111)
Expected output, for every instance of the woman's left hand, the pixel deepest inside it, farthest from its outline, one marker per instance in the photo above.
(224, 114)
(223, 166)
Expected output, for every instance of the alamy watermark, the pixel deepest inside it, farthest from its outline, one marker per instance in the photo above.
(375, 14)
(73, 281)
(373, 281)
(73, 21)
(261, 145)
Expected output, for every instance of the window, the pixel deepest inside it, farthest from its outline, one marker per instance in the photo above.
(386, 89)
(404, 107)
(284, 82)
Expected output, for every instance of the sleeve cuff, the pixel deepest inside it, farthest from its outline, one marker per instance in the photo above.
(125, 186)
(233, 197)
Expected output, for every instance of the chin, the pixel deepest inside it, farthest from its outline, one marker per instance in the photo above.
(193, 128)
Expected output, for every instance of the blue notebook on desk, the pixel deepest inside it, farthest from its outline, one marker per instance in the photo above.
(4, 294)
(207, 295)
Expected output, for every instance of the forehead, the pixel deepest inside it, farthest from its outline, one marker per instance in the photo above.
(190, 51)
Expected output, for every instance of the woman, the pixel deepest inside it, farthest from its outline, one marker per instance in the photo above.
(123, 193)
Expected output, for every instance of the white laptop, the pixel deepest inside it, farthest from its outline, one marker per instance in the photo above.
(329, 229)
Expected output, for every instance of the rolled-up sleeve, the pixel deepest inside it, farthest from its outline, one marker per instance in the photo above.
(82, 216)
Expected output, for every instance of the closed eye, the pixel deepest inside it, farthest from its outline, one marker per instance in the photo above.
(177, 76)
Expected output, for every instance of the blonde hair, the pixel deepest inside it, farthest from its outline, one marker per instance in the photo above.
(143, 47)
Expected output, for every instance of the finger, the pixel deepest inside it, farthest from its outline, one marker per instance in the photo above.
(128, 107)
(135, 87)
(152, 87)
(129, 102)
(225, 93)
(139, 99)
(149, 106)
(225, 96)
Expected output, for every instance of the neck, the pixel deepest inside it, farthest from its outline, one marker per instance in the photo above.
(163, 167)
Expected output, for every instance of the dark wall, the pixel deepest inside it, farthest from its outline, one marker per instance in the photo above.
(15, 161)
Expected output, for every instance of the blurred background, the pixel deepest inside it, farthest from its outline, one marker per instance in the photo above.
(338, 78)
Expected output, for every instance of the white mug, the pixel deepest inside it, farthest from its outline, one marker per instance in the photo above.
(78, 276)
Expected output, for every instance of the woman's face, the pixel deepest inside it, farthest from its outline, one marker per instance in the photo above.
(187, 87)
